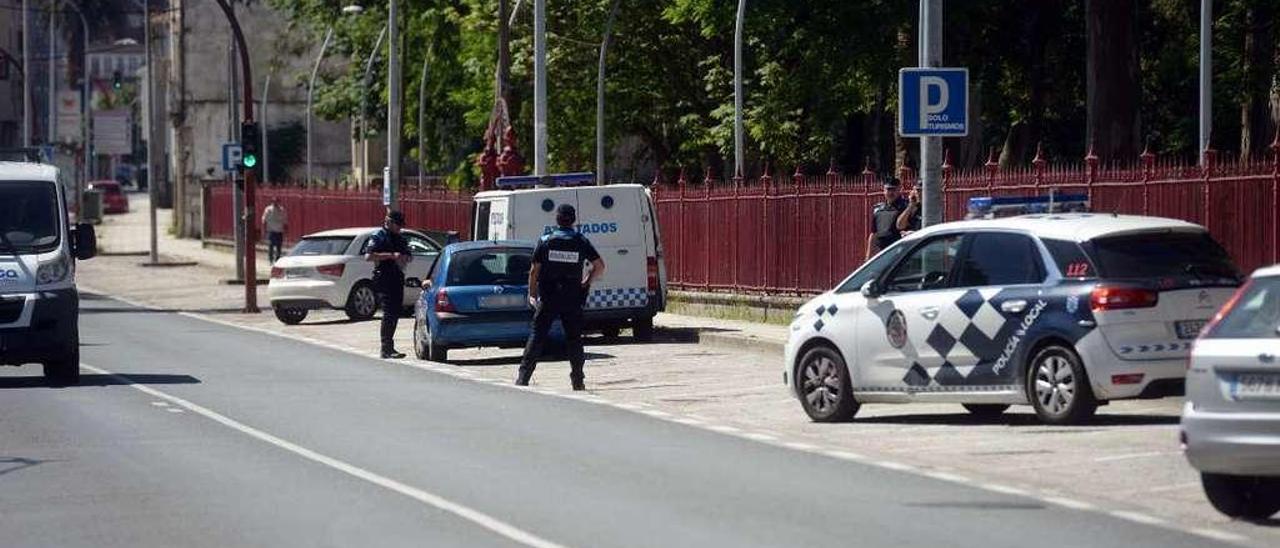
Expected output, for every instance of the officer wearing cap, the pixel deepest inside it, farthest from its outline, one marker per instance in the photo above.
(557, 289)
(390, 251)
(893, 217)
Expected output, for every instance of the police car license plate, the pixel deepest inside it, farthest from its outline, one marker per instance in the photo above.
(502, 301)
(1252, 386)
(1189, 329)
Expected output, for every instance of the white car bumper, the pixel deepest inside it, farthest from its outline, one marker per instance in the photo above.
(1232, 443)
(306, 293)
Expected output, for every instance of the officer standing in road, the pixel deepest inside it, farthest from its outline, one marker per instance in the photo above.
(390, 251)
(893, 217)
(557, 289)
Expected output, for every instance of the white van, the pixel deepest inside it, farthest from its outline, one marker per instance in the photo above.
(39, 304)
(619, 220)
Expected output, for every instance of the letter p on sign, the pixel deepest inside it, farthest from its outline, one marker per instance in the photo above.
(933, 102)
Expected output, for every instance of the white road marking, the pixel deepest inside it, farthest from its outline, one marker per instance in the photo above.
(1069, 503)
(845, 455)
(1137, 517)
(687, 421)
(759, 437)
(1004, 489)
(1219, 535)
(945, 476)
(723, 429)
(656, 413)
(173, 410)
(1136, 456)
(474, 516)
(799, 446)
(894, 466)
(160, 403)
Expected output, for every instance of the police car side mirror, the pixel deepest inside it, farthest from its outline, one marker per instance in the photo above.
(871, 289)
(84, 241)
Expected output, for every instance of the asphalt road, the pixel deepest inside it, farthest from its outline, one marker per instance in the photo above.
(238, 438)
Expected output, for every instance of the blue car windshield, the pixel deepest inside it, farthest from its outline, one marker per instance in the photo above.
(496, 266)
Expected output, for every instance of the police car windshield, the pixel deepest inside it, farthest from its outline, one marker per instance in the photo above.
(28, 217)
(497, 266)
(1178, 255)
(329, 245)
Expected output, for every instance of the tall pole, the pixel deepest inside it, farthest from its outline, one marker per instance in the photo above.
(151, 120)
(737, 89)
(26, 76)
(86, 110)
(250, 175)
(393, 106)
(601, 178)
(311, 88)
(364, 106)
(51, 128)
(233, 136)
(540, 87)
(266, 141)
(422, 119)
(931, 147)
(1206, 75)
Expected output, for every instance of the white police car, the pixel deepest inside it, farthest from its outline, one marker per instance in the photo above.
(1063, 311)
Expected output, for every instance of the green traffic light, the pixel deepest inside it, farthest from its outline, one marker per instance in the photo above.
(250, 161)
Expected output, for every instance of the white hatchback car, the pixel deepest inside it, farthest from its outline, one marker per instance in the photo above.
(327, 270)
(1231, 420)
(1061, 311)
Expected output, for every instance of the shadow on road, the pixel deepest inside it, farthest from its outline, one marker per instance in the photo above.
(93, 380)
(1020, 419)
(89, 311)
(13, 464)
(514, 359)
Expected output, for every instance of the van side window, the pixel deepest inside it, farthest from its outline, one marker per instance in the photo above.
(482, 221)
(996, 258)
(1071, 260)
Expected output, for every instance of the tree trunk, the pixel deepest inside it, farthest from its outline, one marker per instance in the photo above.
(1111, 82)
(1257, 122)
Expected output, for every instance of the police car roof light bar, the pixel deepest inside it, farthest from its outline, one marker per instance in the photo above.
(556, 180)
(1005, 206)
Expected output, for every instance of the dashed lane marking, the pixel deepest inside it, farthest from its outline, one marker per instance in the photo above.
(1137, 517)
(474, 516)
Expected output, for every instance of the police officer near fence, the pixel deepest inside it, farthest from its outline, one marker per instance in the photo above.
(390, 251)
(893, 218)
(558, 288)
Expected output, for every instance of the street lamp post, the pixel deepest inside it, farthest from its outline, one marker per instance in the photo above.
(393, 106)
(364, 106)
(311, 87)
(86, 109)
(250, 175)
(26, 76)
(1206, 76)
(540, 87)
(151, 120)
(422, 118)
(737, 89)
(931, 147)
(604, 48)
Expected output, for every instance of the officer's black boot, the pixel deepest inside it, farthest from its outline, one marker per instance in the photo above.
(523, 376)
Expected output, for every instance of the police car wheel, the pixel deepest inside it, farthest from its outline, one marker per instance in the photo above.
(1059, 388)
(986, 410)
(291, 316)
(823, 384)
(362, 303)
(1247, 497)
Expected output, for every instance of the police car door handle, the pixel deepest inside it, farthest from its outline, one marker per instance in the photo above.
(1014, 306)
(929, 312)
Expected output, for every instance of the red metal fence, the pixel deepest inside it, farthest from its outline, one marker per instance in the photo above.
(796, 234)
(802, 234)
(313, 210)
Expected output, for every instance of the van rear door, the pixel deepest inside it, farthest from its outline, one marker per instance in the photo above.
(610, 217)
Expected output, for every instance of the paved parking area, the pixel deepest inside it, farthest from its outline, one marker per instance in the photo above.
(1127, 462)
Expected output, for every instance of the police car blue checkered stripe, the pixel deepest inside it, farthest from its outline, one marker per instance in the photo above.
(625, 297)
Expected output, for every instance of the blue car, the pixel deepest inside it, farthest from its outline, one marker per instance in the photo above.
(475, 295)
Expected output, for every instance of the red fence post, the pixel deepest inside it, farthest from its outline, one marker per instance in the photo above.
(1210, 158)
(706, 223)
(991, 168)
(947, 169)
(1275, 198)
(832, 174)
(737, 263)
(1037, 166)
(767, 182)
(797, 180)
(1091, 173)
(1148, 168)
(682, 182)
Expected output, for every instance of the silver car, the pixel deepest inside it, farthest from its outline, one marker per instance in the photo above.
(1231, 420)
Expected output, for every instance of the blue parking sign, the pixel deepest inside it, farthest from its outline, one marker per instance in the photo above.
(933, 102)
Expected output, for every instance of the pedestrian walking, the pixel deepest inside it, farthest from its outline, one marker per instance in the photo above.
(274, 221)
(390, 251)
(892, 218)
(558, 287)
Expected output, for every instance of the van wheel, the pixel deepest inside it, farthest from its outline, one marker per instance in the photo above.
(642, 328)
(1059, 388)
(1247, 497)
(824, 387)
(362, 303)
(986, 410)
(65, 371)
(291, 316)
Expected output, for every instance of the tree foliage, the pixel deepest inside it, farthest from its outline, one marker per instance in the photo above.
(821, 78)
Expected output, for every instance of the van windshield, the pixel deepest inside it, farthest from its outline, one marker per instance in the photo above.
(28, 217)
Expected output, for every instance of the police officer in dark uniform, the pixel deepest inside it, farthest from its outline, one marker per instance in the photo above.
(893, 217)
(558, 289)
(390, 251)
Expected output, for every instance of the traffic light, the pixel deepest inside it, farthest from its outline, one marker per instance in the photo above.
(116, 81)
(249, 140)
